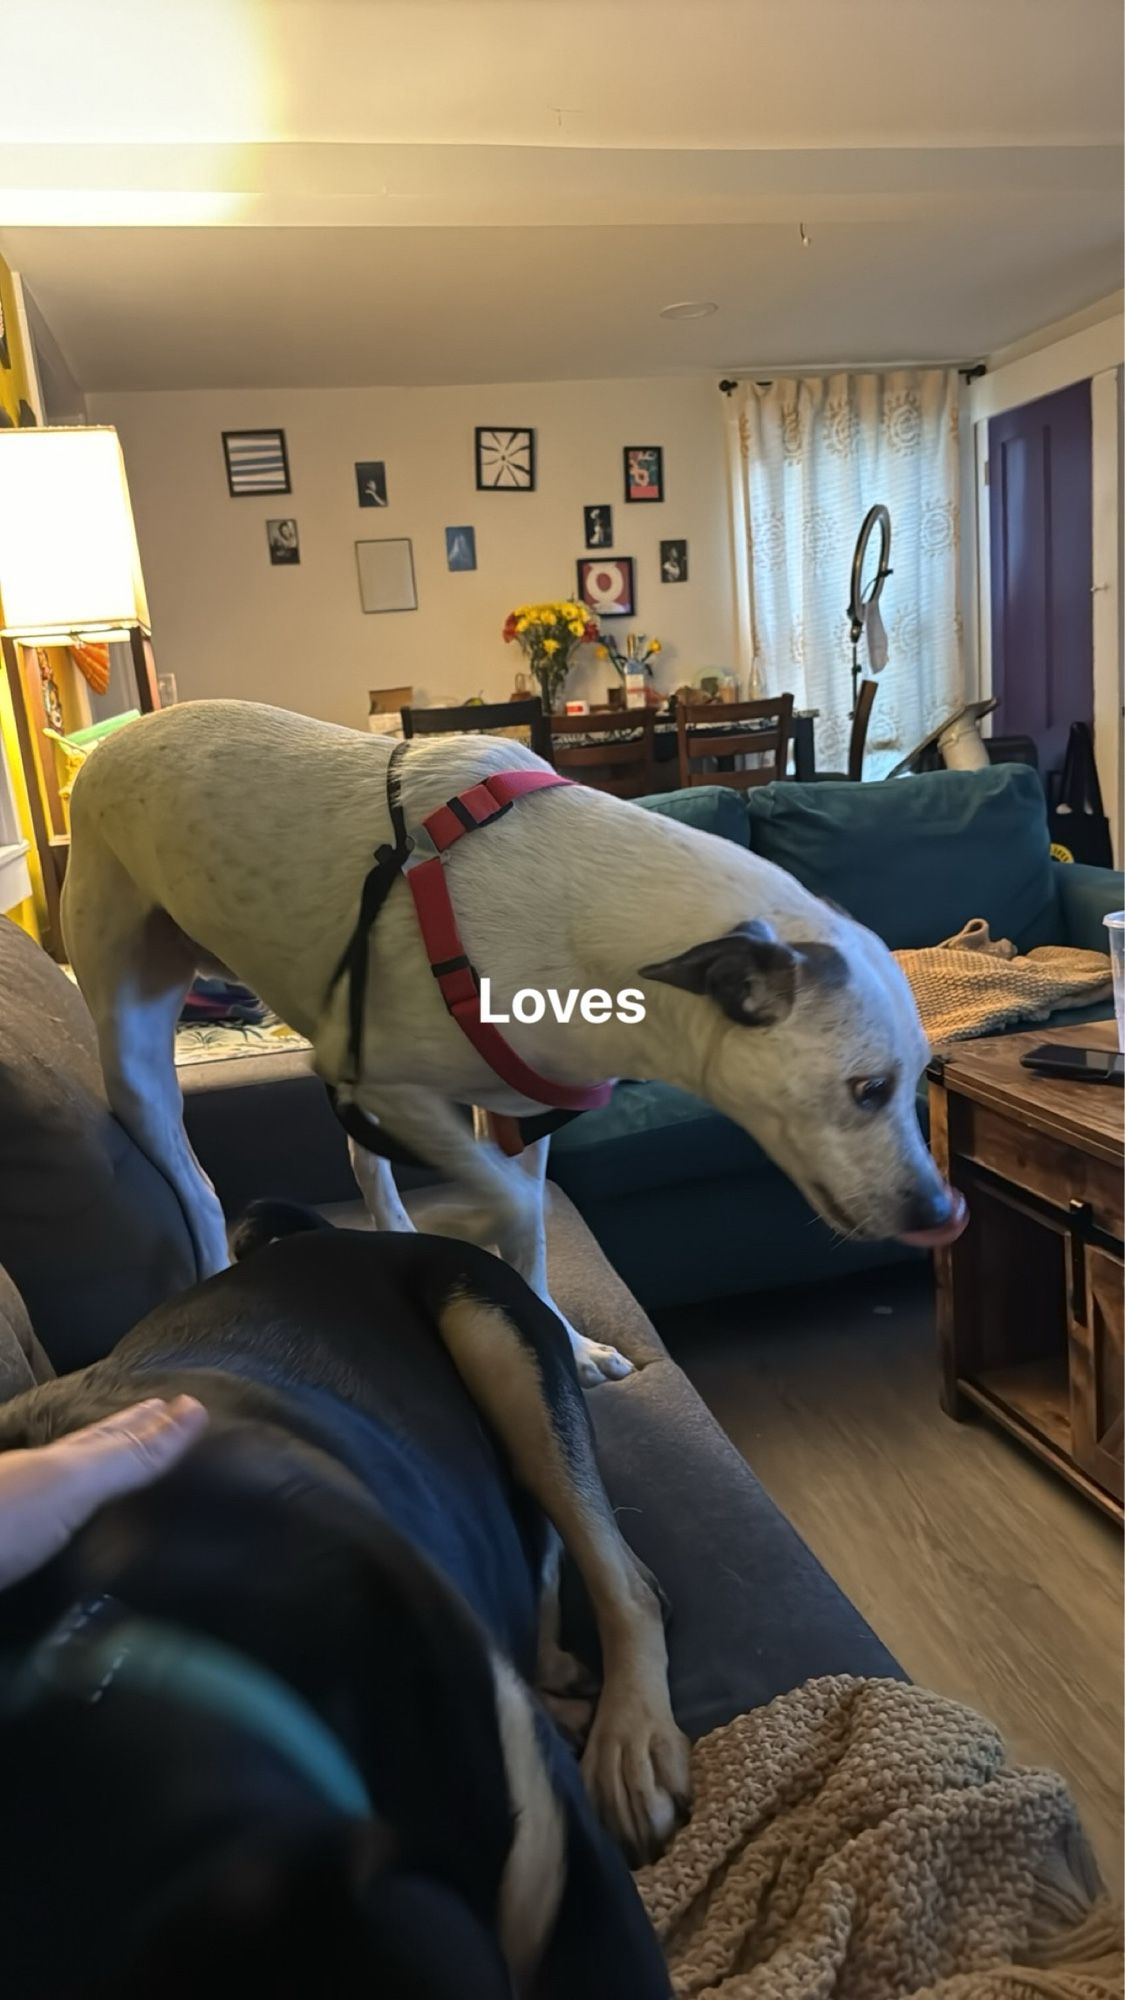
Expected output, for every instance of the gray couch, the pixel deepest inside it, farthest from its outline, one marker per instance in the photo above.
(92, 1237)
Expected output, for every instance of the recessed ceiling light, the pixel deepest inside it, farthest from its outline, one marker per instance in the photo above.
(690, 309)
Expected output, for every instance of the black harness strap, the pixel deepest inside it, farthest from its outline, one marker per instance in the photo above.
(378, 883)
(543, 1123)
(375, 1138)
(372, 1137)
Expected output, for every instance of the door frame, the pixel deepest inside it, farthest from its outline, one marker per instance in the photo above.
(1094, 355)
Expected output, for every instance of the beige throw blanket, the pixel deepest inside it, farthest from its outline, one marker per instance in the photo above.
(865, 1840)
(974, 984)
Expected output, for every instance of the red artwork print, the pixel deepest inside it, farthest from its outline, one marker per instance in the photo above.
(605, 586)
(644, 472)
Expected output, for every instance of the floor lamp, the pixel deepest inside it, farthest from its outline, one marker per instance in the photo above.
(70, 574)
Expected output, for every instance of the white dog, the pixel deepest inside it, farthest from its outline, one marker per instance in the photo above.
(232, 833)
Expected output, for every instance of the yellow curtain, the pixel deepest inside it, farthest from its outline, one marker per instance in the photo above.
(15, 389)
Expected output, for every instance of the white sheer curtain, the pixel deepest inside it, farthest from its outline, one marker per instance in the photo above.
(809, 457)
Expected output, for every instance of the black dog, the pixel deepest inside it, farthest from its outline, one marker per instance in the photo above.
(329, 1778)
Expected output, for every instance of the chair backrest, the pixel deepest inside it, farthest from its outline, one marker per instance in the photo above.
(864, 703)
(706, 732)
(1012, 750)
(620, 761)
(523, 721)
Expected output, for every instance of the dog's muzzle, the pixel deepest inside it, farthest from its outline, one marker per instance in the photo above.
(940, 1221)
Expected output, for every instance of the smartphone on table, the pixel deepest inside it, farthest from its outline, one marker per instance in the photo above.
(1079, 1065)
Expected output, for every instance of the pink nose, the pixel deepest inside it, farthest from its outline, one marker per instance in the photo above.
(945, 1232)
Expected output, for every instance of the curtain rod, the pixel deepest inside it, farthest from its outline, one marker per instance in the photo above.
(968, 371)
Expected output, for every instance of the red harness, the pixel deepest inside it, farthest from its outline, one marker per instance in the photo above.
(449, 963)
(456, 977)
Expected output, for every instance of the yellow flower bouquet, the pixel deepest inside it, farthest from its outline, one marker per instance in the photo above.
(549, 635)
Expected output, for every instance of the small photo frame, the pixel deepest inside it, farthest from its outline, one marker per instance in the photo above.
(386, 575)
(460, 548)
(644, 472)
(257, 462)
(284, 543)
(606, 586)
(673, 562)
(371, 482)
(505, 459)
(599, 526)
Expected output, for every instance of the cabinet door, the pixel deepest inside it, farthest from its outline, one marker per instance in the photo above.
(1097, 1364)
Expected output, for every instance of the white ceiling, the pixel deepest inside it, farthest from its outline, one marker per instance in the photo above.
(341, 192)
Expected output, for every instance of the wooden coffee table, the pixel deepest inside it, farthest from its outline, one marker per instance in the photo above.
(1029, 1300)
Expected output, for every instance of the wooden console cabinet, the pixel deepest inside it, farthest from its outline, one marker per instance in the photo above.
(1030, 1317)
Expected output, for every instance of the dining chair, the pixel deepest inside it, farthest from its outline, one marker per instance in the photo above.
(523, 721)
(770, 727)
(857, 743)
(620, 761)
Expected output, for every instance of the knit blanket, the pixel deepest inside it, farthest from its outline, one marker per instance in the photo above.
(866, 1840)
(975, 984)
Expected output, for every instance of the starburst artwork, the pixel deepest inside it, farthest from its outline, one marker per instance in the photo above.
(505, 460)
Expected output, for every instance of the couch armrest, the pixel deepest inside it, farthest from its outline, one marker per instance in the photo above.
(1086, 895)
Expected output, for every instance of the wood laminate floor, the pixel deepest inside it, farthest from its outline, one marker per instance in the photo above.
(988, 1578)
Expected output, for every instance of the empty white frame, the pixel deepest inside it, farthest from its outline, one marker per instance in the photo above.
(386, 575)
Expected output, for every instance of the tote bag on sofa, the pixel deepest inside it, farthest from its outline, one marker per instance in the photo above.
(1075, 812)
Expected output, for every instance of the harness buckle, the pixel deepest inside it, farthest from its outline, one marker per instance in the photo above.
(477, 807)
(420, 847)
(458, 981)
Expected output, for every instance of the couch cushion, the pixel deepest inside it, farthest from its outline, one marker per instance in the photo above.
(647, 1136)
(915, 858)
(752, 1611)
(709, 808)
(92, 1235)
(22, 1360)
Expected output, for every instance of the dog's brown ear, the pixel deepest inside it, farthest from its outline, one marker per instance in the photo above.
(750, 972)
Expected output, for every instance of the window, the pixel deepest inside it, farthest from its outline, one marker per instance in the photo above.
(810, 456)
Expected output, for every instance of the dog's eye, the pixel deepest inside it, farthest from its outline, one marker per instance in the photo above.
(871, 1093)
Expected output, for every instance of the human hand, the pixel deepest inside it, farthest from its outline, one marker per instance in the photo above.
(49, 1491)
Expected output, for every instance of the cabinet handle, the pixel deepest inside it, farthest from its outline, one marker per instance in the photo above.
(1081, 1221)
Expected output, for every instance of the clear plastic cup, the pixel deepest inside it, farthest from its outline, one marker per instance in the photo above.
(1115, 925)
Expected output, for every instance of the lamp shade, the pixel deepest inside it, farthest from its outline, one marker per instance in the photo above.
(69, 564)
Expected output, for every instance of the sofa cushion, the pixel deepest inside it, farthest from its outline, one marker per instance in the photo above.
(647, 1136)
(752, 1612)
(90, 1232)
(1086, 897)
(915, 858)
(709, 808)
(22, 1360)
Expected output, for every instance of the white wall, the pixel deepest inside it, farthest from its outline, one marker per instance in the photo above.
(1090, 347)
(227, 623)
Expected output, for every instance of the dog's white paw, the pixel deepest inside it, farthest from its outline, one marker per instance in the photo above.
(596, 1362)
(637, 1770)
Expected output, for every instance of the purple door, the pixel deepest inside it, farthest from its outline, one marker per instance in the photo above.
(1039, 484)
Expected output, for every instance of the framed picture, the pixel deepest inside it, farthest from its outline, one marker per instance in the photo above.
(644, 472)
(386, 575)
(673, 562)
(599, 526)
(371, 482)
(460, 548)
(284, 544)
(257, 462)
(605, 584)
(505, 460)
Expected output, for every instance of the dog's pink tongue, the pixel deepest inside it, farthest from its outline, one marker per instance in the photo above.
(946, 1232)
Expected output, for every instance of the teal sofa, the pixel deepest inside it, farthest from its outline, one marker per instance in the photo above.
(684, 1203)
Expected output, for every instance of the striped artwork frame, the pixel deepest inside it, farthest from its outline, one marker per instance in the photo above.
(257, 463)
